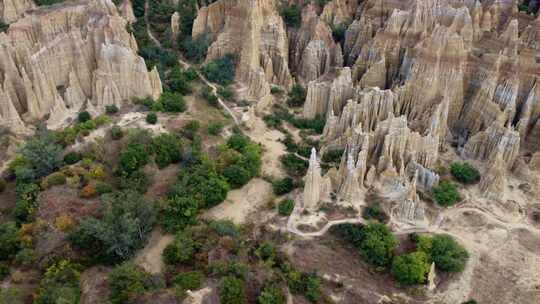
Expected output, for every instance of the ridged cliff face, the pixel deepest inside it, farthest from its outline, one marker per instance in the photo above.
(57, 60)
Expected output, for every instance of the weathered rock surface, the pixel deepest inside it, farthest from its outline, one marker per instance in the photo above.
(11, 10)
(54, 61)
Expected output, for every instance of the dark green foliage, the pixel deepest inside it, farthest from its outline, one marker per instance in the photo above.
(470, 302)
(226, 93)
(136, 181)
(236, 175)
(8, 240)
(210, 97)
(238, 142)
(116, 133)
(112, 109)
(316, 124)
(375, 212)
(375, 241)
(332, 156)
(191, 128)
(126, 281)
(286, 207)
(41, 156)
(167, 149)
(72, 158)
(410, 269)
(60, 284)
(215, 128)
(190, 280)
(195, 49)
(4, 273)
(235, 269)
(2, 185)
(308, 284)
(231, 291)
(338, 33)
(297, 96)
(132, 158)
(267, 252)
(180, 211)
(26, 202)
(156, 56)
(179, 80)
(83, 117)
(275, 90)
(465, 173)
(220, 71)
(151, 118)
(446, 194)
(225, 228)
(283, 186)
(172, 102)
(188, 12)
(126, 222)
(294, 165)
(271, 295)
(48, 2)
(447, 254)
(102, 188)
(3, 27)
(291, 14)
(180, 251)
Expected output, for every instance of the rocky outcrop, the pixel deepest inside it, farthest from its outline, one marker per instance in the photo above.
(323, 95)
(312, 188)
(11, 10)
(493, 181)
(56, 61)
(496, 139)
(255, 33)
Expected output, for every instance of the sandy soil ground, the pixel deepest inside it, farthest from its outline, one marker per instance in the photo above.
(242, 202)
(149, 258)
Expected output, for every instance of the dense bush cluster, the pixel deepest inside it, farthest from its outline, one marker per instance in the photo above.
(297, 96)
(281, 115)
(291, 14)
(60, 284)
(221, 70)
(446, 194)
(294, 165)
(465, 173)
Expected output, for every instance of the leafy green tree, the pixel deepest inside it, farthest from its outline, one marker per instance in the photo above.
(378, 244)
(178, 81)
(172, 102)
(465, 173)
(293, 165)
(215, 128)
(60, 284)
(84, 116)
(133, 157)
(231, 291)
(116, 133)
(446, 194)
(127, 281)
(447, 254)
(190, 280)
(126, 222)
(410, 268)
(297, 96)
(338, 33)
(271, 295)
(167, 149)
(112, 109)
(195, 49)
(179, 212)
(151, 118)
(225, 228)
(221, 70)
(286, 207)
(236, 175)
(9, 240)
(42, 156)
(283, 186)
(332, 156)
(180, 251)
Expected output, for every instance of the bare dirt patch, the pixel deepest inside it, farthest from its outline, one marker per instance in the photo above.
(149, 258)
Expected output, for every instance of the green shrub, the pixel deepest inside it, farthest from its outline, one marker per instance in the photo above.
(55, 179)
(283, 186)
(179, 81)
(116, 133)
(72, 158)
(308, 284)
(9, 240)
(41, 156)
(136, 181)
(271, 295)
(231, 291)
(48, 2)
(225, 228)
(378, 244)
(286, 207)
(209, 96)
(2, 185)
(297, 96)
(190, 280)
(132, 158)
(126, 222)
(465, 173)
(151, 118)
(226, 93)
(3, 27)
(112, 109)
(26, 257)
(410, 269)
(179, 212)
(102, 188)
(83, 117)
(215, 128)
(447, 254)
(275, 90)
(294, 165)
(375, 212)
(60, 284)
(220, 70)
(102, 120)
(338, 33)
(126, 281)
(332, 156)
(291, 14)
(195, 49)
(191, 128)
(180, 251)
(167, 149)
(4, 273)
(236, 175)
(446, 194)
(172, 102)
